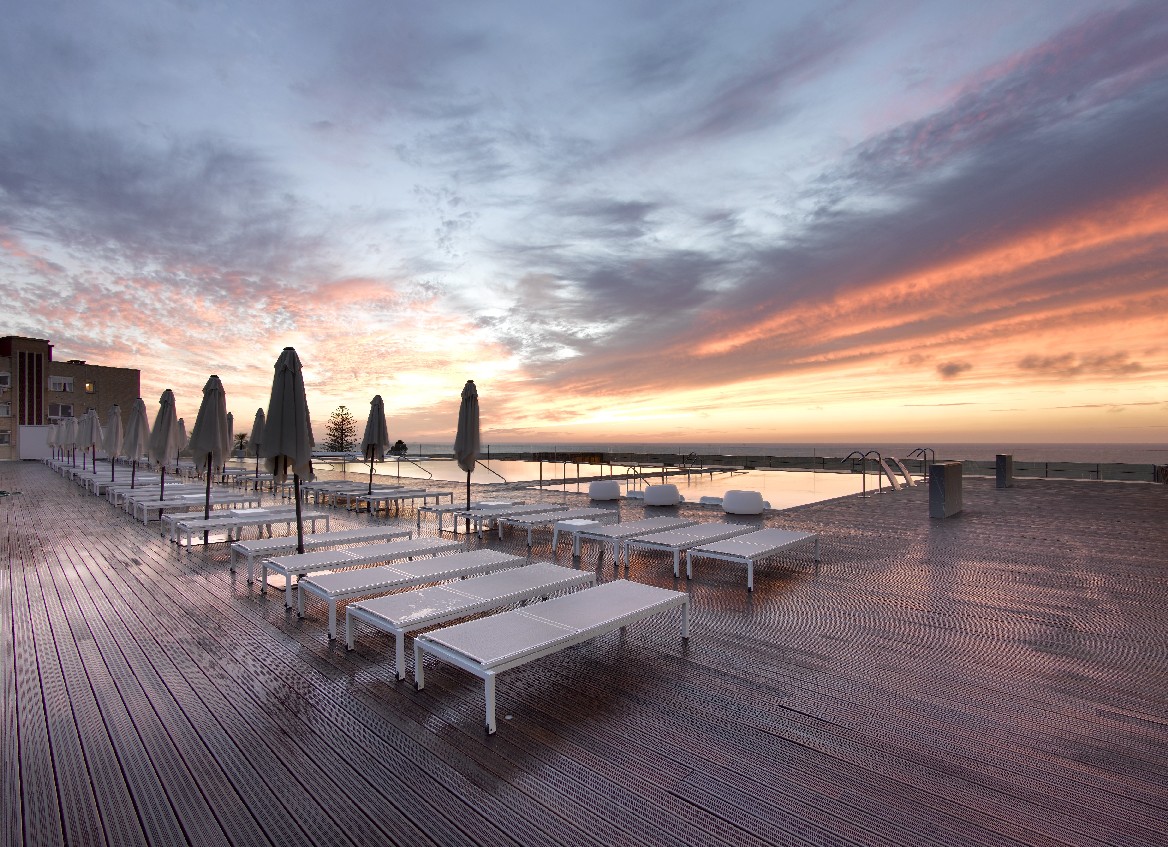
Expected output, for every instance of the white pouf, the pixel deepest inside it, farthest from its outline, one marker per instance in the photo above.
(604, 489)
(736, 502)
(662, 495)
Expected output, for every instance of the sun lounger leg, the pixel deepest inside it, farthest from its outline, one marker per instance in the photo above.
(419, 669)
(332, 617)
(677, 563)
(287, 591)
(688, 565)
(529, 538)
(489, 696)
(685, 620)
(348, 631)
(399, 643)
(750, 574)
(300, 605)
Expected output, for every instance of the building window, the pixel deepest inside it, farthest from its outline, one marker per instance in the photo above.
(60, 383)
(90, 388)
(6, 410)
(5, 380)
(57, 411)
(5, 437)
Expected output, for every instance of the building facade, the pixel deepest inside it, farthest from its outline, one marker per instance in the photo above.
(35, 391)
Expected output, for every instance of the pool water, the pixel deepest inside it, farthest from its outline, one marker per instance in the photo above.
(783, 489)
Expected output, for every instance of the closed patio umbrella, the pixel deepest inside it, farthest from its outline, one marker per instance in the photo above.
(136, 440)
(111, 441)
(51, 437)
(287, 442)
(257, 437)
(376, 439)
(210, 437)
(69, 438)
(164, 437)
(466, 440)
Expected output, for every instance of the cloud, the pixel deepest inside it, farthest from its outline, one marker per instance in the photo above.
(1072, 365)
(948, 370)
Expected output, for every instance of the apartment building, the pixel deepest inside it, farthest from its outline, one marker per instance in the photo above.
(36, 391)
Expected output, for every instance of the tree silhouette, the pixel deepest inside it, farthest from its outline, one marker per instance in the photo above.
(399, 448)
(340, 436)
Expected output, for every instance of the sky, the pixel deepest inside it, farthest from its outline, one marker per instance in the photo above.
(626, 221)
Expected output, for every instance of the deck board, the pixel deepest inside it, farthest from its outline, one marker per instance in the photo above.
(992, 679)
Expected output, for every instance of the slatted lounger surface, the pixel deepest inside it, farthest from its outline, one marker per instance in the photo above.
(264, 547)
(237, 519)
(678, 540)
(368, 582)
(614, 535)
(750, 548)
(488, 646)
(299, 564)
(125, 497)
(409, 611)
(550, 518)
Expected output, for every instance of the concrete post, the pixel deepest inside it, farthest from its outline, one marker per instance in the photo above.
(1005, 470)
(944, 489)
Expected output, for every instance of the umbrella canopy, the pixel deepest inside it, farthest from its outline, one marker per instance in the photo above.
(210, 438)
(183, 441)
(164, 437)
(257, 431)
(257, 437)
(466, 440)
(376, 439)
(111, 442)
(288, 437)
(89, 436)
(136, 440)
(69, 435)
(230, 432)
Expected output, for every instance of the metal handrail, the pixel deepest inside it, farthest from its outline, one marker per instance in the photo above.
(924, 453)
(492, 470)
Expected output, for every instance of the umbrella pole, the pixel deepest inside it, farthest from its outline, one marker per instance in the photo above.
(299, 517)
(468, 501)
(207, 502)
(370, 491)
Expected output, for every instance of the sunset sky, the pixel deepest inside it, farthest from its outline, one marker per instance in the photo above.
(639, 221)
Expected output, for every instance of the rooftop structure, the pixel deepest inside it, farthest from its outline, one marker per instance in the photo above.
(993, 678)
(36, 391)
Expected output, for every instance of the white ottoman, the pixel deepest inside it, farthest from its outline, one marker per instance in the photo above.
(737, 502)
(604, 489)
(662, 495)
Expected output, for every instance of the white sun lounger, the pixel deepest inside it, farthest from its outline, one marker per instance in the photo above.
(398, 497)
(126, 497)
(146, 510)
(487, 646)
(479, 517)
(299, 564)
(409, 611)
(369, 582)
(353, 497)
(549, 519)
(232, 520)
(676, 541)
(614, 535)
(440, 511)
(749, 548)
(266, 547)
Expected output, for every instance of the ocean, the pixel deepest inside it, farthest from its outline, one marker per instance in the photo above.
(1089, 453)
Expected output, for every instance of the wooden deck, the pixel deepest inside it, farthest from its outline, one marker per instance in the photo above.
(996, 678)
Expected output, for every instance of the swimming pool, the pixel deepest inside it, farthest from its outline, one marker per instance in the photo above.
(783, 489)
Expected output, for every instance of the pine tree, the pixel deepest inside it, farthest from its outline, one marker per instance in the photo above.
(340, 436)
